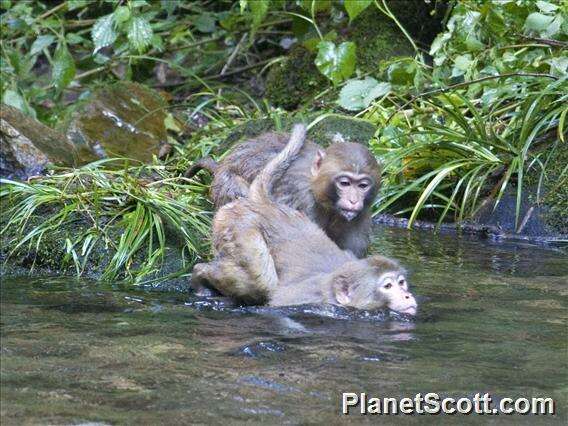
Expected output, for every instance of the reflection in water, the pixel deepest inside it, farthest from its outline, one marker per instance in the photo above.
(492, 319)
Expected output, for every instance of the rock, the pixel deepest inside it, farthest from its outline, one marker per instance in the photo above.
(294, 80)
(120, 120)
(50, 257)
(28, 146)
(338, 128)
(378, 39)
(542, 216)
(332, 128)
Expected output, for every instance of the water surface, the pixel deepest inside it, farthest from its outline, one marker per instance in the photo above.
(492, 319)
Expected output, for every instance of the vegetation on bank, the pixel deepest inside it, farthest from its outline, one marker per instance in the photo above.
(469, 100)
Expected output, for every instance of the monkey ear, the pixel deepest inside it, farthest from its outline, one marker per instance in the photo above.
(342, 293)
(320, 155)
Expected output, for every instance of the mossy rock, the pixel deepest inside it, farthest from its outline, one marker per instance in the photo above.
(294, 80)
(123, 119)
(378, 39)
(555, 190)
(546, 216)
(51, 258)
(332, 128)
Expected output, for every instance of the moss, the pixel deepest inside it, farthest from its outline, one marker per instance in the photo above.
(422, 19)
(378, 39)
(50, 257)
(556, 192)
(295, 79)
(123, 119)
(331, 128)
(342, 128)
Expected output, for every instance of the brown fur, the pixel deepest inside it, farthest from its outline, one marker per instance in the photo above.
(266, 251)
(298, 188)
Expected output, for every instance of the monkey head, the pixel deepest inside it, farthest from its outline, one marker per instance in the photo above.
(373, 283)
(345, 179)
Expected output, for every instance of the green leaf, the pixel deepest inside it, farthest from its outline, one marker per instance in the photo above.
(140, 34)
(359, 94)
(355, 7)
(554, 26)
(439, 42)
(63, 67)
(336, 62)
(559, 66)
(402, 72)
(546, 7)
(538, 22)
(121, 14)
(378, 91)
(74, 38)
(205, 23)
(318, 5)
(352, 95)
(13, 98)
(41, 43)
(462, 64)
(138, 3)
(103, 33)
(76, 4)
(258, 10)
(473, 44)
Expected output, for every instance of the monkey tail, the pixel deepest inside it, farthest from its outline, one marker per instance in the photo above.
(206, 163)
(261, 186)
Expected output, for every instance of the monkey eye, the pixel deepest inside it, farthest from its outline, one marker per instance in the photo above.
(364, 185)
(387, 286)
(401, 282)
(344, 182)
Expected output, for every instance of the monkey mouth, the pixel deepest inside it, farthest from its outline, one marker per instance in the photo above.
(349, 215)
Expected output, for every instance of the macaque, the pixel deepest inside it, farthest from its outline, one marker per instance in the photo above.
(334, 187)
(268, 252)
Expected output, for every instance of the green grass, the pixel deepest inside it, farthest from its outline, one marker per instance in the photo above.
(139, 203)
(455, 154)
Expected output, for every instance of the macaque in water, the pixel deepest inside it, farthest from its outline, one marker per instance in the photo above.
(268, 252)
(334, 187)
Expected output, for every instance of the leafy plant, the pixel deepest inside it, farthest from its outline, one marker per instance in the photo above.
(136, 204)
(336, 62)
(456, 155)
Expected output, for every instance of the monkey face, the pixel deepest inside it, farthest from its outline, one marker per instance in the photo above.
(393, 288)
(345, 179)
(352, 191)
(362, 287)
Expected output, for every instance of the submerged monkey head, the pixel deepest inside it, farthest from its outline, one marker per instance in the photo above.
(373, 283)
(345, 179)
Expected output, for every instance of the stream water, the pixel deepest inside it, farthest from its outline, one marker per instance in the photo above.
(493, 319)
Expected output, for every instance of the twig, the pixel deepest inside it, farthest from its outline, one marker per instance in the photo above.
(197, 43)
(240, 70)
(80, 23)
(90, 72)
(547, 41)
(233, 54)
(52, 11)
(467, 83)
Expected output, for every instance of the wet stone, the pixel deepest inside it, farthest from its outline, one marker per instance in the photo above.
(121, 120)
(259, 349)
(28, 146)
